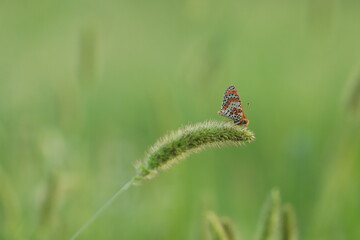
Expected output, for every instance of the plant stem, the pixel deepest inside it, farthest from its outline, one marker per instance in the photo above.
(102, 208)
(176, 146)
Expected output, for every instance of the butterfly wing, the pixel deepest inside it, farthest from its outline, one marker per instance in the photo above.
(231, 105)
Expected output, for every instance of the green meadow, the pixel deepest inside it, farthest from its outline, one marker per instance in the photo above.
(86, 87)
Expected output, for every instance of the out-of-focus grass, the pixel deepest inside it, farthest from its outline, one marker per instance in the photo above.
(161, 65)
(278, 222)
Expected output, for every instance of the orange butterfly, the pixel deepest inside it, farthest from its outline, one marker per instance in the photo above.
(232, 108)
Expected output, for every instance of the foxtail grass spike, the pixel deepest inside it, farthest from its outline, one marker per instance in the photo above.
(229, 228)
(49, 206)
(217, 230)
(10, 220)
(290, 230)
(176, 146)
(87, 63)
(191, 139)
(271, 222)
(351, 97)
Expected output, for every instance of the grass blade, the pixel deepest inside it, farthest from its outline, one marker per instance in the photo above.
(290, 231)
(270, 224)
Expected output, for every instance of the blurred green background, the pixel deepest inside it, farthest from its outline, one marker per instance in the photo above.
(87, 86)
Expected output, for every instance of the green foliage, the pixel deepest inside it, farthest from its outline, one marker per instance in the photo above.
(270, 227)
(352, 96)
(107, 78)
(220, 228)
(49, 206)
(277, 222)
(290, 231)
(10, 224)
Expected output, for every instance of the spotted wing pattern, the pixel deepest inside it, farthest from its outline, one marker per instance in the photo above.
(231, 106)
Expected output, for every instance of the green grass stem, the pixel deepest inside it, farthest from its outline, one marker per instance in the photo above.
(102, 208)
(177, 145)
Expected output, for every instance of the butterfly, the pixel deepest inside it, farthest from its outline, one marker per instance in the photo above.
(232, 108)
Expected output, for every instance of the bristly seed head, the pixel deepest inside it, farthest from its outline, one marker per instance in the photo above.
(190, 139)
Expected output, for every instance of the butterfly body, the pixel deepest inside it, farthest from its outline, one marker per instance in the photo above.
(232, 108)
